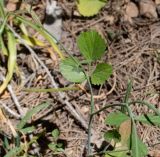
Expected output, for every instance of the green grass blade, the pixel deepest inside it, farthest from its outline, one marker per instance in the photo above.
(30, 113)
(150, 106)
(11, 60)
(134, 141)
(127, 95)
(14, 152)
(44, 33)
(3, 24)
(2, 13)
(3, 47)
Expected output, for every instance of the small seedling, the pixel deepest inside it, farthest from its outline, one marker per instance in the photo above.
(92, 47)
(20, 146)
(55, 146)
(123, 137)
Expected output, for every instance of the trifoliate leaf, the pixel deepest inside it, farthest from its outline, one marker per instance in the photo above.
(91, 45)
(102, 72)
(71, 70)
(90, 7)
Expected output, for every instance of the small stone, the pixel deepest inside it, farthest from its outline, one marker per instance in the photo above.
(132, 10)
(148, 9)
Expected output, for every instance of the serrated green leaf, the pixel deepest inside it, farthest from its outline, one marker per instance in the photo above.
(55, 134)
(112, 135)
(116, 118)
(30, 113)
(149, 119)
(91, 45)
(102, 72)
(12, 56)
(71, 70)
(90, 7)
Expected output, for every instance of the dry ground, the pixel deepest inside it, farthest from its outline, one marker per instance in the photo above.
(134, 52)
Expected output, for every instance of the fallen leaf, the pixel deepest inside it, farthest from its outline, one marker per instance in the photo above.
(125, 131)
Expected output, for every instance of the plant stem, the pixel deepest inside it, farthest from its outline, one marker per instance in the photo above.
(91, 115)
(150, 106)
(50, 89)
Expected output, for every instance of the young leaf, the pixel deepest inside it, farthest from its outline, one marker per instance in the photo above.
(71, 70)
(117, 154)
(102, 72)
(139, 149)
(30, 113)
(149, 119)
(14, 152)
(90, 7)
(91, 45)
(27, 130)
(112, 135)
(116, 118)
(55, 134)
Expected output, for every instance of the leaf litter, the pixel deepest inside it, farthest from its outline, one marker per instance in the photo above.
(133, 50)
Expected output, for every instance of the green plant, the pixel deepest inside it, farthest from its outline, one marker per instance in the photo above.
(92, 47)
(19, 146)
(19, 21)
(123, 137)
(56, 146)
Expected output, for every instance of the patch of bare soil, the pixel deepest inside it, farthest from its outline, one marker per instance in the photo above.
(133, 39)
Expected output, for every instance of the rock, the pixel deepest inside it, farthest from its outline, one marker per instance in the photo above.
(148, 9)
(132, 10)
(53, 19)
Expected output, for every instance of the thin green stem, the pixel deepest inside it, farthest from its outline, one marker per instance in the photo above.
(50, 89)
(91, 116)
(108, 106)
(151, 106)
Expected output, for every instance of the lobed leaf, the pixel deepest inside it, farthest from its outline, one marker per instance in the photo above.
(91, 45)
(71, 70)
(102, 72)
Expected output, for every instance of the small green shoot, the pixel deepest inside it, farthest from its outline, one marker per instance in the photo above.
(55, 146)
(92, 47)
